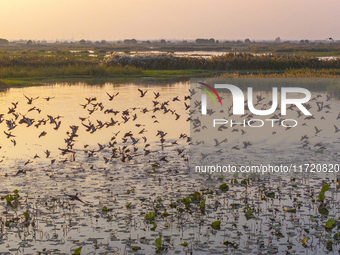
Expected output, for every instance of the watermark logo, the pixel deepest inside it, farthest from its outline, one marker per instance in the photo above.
(238, 99)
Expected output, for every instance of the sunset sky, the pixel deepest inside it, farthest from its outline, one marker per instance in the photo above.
(172, 19)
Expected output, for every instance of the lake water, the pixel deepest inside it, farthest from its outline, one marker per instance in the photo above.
(135, 192)
(209, 54)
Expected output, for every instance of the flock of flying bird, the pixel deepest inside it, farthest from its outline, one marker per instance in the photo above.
(127, 145)
(123, 145)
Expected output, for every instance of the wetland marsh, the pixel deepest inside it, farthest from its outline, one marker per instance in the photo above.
(125, 155)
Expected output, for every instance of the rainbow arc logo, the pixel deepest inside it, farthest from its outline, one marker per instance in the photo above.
(209, 93)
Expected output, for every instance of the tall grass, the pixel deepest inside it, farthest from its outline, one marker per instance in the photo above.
(67, 71)
(230, 61)
(161, 65)
(289, 73)
(45, 61)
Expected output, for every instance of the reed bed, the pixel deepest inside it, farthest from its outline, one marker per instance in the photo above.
(45, 61)
(167, 64)
(289, 73)
(230, 61)
(67, 71)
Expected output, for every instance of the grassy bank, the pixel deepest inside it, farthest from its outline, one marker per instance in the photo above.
(35, 76)
(33, 69)
(123, 75)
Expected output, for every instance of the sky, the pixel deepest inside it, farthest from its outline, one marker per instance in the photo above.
(169, 19)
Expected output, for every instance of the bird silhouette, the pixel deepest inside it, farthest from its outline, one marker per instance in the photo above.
(30, 100)
(142, 93)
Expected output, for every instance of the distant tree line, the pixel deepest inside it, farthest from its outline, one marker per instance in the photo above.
(3, 42)
(205, 41)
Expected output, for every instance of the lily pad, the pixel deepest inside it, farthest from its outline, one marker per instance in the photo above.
(216, 225)
(150, 216)
(158, 243)
(224, 187)
(330, 223)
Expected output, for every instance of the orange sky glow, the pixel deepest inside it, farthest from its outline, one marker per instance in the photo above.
(172, 19)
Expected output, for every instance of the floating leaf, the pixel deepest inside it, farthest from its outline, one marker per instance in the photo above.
(9, 198)
(158, 243)
(185, 244)
(292, 210)
(271, 194)
(235, 175)
(321, 196)
(186, 200)
(154, 226)
(244, 182)
(330, 223)
(231, 244)
(136, 248)
(150, 216)
(172, 205)
(304, 240)
(155, 165)
(323, 210)
(216, 225)
(249, 214)
(329, 246)
(325, 188)
(202, 205)
(77, 251)
(194, 197)
(336, 236)
(26, 215)
(16, 192)
(224, 187)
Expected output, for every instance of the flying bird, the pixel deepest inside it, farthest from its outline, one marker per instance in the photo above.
(142, 93)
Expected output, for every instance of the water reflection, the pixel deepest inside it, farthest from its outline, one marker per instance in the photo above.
(129, 205)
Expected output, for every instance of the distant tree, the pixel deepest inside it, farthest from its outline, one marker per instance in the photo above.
(128, 41)
(4, 42)
(278, 39)
(103, 42)
(82, 41)
(205, 41)
(217, 42)
(304, 41)
(163, 41)
(29, 42)
(247, 40)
